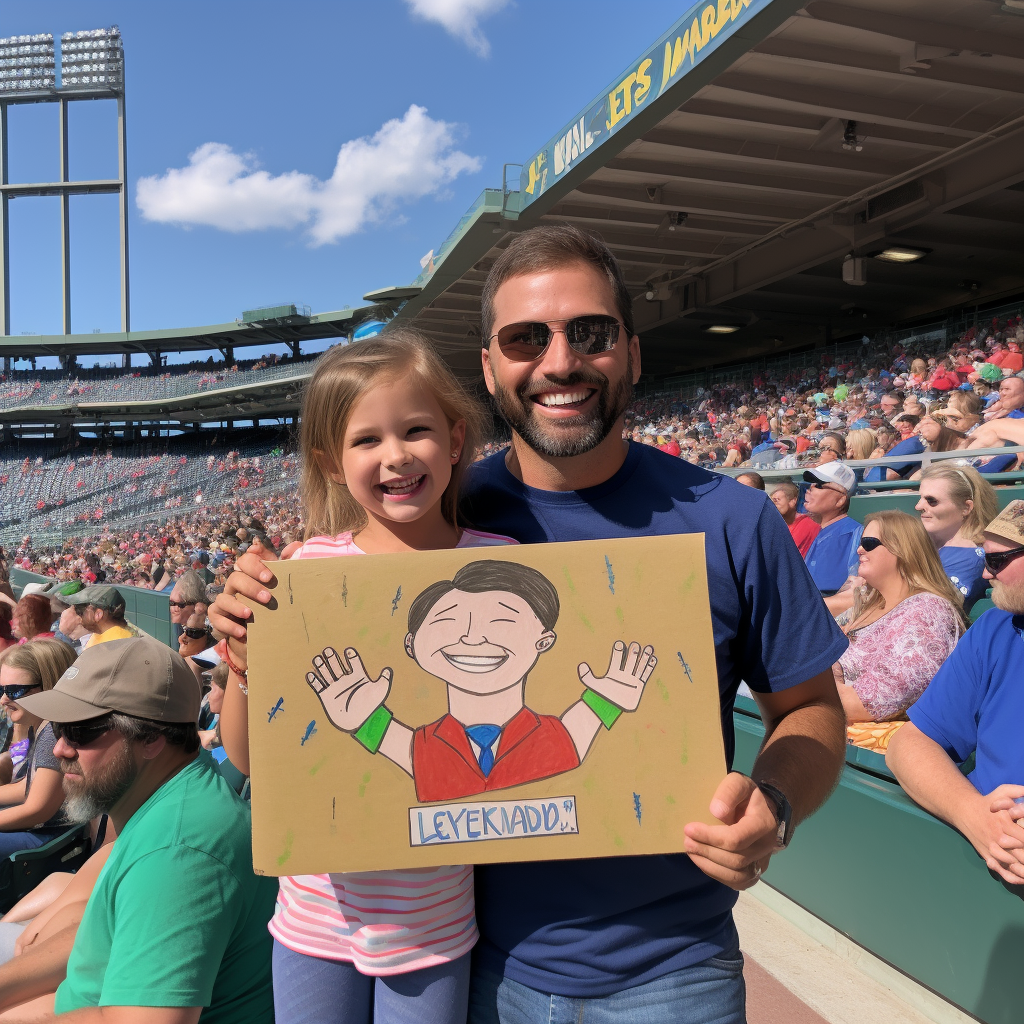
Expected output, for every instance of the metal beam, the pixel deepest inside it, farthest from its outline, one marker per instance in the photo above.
(58, 188)
(65, 218)
(5, 235)
(122, 171)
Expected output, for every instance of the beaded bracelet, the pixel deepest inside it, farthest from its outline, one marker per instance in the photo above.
(224, 651)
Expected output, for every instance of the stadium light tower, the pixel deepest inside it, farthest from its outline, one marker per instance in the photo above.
(91, 68)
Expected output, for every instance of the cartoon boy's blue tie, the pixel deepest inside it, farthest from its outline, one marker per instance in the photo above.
(483, 736)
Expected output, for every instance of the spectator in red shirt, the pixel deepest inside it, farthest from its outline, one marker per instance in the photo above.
(786, 497)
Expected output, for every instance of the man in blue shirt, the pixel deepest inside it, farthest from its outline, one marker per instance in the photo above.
(648, 938)
(832, 557)
(975, 704)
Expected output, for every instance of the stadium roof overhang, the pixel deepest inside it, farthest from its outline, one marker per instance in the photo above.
(289, 330)
(758, 143)
(276, 397)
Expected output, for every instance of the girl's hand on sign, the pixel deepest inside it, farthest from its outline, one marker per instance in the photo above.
(348, 695)
(252, 580)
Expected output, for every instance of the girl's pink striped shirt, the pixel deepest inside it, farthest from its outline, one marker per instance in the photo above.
(383, 922)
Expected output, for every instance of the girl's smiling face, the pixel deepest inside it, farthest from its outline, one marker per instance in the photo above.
(398, 451)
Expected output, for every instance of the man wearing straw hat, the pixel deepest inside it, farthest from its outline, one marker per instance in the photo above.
(975, 704)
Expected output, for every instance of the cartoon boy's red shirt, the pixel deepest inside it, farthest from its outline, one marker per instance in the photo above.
(531, 747)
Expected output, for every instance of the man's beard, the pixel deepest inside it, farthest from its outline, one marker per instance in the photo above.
(574, 435)
(96, 795)
(1008, 596)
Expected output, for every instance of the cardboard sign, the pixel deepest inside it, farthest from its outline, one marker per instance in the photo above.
(475, 705)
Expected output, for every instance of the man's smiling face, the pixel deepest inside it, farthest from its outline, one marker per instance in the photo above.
(479, 643)
(562, 403)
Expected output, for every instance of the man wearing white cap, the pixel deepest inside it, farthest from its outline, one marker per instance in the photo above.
(177, 920)
(832, 556)
(975, 704)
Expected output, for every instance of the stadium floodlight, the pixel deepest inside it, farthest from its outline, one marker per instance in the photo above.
(93, 60)
(27, 64)
(91, 68)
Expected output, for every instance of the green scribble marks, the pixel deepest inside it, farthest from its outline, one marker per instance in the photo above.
(684, 753)
(366, 779)
(618, 839)
(586, 622)
(289, 839)
(568, 579)
(318, 765)
(670, 799)
(689, 581)
(619, 616)
(662, 689)
(588, 783)
(384, 640)
(362, 632)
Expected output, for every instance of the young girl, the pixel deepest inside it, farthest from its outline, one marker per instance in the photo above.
(387, 432)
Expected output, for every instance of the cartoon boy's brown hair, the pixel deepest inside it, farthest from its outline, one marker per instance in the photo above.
(490, 574)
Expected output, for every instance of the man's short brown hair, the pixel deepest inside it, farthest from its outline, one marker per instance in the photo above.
(551, 247)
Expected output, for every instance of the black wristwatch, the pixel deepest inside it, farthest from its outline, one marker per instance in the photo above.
(783, 814)
(195, 633)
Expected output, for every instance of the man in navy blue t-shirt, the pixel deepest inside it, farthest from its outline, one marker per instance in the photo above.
(975, 704)
(650, 938)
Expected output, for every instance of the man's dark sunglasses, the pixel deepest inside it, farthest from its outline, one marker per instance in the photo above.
(181, 604)
(15, 693)
(81, 734)
(870, 543)
(997, 561)
(589, 335)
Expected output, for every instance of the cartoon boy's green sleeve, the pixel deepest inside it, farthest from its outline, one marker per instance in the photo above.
(371, 732)
(605, 710)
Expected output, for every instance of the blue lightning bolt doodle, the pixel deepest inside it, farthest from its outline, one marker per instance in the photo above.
(394, 603)
(310, 731)
(279, 706)
(611, 575)
(636, 807)
(686, 668)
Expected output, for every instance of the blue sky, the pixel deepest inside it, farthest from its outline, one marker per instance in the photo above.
(441, 93)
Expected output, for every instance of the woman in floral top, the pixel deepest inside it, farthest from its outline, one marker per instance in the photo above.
(904, 623)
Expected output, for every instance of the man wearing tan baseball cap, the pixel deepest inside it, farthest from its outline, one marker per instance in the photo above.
(975, 704)
(177, 919)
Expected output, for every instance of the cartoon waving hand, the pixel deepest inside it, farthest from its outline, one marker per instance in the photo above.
(628, 672)
(346, 691)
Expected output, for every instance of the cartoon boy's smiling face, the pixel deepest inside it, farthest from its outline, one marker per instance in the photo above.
(479, 642)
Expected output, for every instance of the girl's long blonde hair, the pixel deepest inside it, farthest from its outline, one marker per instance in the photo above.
(917, 562)
(44, 660)
(860, 443)
(967, 484)
(341, 378)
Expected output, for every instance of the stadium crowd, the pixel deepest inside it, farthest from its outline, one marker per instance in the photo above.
(863, 625)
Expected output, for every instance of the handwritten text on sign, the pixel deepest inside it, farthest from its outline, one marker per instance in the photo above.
(507, 819)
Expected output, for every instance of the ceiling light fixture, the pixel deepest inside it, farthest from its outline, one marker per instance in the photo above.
(850, 140)
(722, 328)
(900, 254)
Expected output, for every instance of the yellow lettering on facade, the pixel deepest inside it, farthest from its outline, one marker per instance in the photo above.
(682, 44)
(643, 81)
(709, 27)
(725, 13)
(617, 109)
(693, 40)
(666, 69)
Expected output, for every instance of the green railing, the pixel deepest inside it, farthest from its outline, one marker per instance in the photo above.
(147, 609)
(900, 883)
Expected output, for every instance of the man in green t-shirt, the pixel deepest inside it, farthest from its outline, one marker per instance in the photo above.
(177, 919)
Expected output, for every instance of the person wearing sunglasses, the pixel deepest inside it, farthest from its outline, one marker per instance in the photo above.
(30, 806)
(832, 557)
(188, 590)
(906, 618)
(975, 705)
(177, 920)
(101, 611)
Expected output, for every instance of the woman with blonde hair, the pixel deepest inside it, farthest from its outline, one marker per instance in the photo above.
(956, 503)
(31, 814)
(905, 621)
(860, 443)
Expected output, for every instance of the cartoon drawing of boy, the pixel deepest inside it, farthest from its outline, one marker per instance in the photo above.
(481, 632)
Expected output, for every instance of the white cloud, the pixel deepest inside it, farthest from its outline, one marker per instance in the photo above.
(460, 18)
(408, 158)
